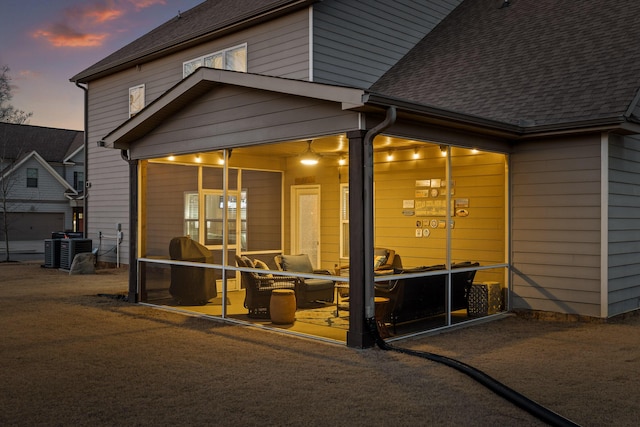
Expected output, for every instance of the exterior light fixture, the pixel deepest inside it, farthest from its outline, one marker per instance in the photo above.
(171, 158)
(443, 150)
(198, 159)
(389, 156)
(309, 157)
(416, 154)
(342, 161)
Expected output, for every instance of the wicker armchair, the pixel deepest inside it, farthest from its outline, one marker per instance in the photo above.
(258, 287)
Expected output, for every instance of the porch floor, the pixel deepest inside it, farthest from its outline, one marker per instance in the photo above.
(318, 320)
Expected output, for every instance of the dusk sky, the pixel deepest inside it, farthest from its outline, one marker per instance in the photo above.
(46, 42)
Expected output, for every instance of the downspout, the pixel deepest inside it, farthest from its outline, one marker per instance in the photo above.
(85, 229)
(390, 119)
(133, 295)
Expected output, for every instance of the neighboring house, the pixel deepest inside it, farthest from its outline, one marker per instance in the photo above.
(504, 133)
(42, 180)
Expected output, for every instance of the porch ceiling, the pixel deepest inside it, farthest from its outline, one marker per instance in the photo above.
(326, 145)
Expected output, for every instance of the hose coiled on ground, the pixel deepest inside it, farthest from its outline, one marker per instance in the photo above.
(492, 384)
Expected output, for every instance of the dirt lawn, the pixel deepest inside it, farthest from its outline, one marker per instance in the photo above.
(71, 357)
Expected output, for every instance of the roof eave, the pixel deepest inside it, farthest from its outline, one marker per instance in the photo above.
(614, 124)
(441, 115)
(621, 124)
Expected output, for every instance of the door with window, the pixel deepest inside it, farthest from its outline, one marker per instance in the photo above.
(236, 219)
(305, 222)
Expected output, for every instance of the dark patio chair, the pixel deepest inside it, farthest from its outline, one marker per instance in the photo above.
(258, 287)
(308, 290)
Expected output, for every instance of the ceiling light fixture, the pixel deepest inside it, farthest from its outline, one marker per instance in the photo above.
(309, 157)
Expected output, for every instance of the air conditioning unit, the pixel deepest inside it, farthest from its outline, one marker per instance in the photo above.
(69, 248)
(52, 253)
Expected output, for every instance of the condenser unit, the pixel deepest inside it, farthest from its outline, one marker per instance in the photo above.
(52, 253)
(69, 248)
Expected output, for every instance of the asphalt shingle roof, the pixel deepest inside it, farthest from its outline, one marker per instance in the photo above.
(205, 18)
(536, 62)
(52, 144)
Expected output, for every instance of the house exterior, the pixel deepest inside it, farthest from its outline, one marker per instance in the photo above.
(498, 133)
(42, 180)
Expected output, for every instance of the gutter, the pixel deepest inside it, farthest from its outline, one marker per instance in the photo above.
(625, 124)
(440, 113)
(85, 222)
(390, 119)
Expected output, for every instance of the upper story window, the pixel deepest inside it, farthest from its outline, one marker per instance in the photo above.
(233, 58)
(32, 177)
(78, 181)
(136, 99)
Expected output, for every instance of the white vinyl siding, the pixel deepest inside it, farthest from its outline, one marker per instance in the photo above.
(556, 225)
(47, 198)
(624, 225)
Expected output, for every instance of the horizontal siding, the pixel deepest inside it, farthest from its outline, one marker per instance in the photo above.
(555, 187)
(49, 188)
(278, 47)
(164, 220)
(164, 212)
(264, 210)
(328, 179)
(480, 178)
(354, 43)
(624, 225)
(231, 117)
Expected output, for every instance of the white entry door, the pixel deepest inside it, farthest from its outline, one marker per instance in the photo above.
(305, 221)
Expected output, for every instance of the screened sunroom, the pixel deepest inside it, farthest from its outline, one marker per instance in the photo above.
(439, 242)
(356, 213)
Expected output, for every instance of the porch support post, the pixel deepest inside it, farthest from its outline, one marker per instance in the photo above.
(133, 232)
(360, 237)
(361, 232)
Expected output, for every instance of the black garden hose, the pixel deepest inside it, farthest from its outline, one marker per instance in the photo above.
(492, 384)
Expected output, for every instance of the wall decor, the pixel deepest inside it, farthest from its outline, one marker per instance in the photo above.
(461, 203)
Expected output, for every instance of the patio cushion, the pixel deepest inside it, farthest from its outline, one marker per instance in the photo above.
(262, 265)
(298, 263)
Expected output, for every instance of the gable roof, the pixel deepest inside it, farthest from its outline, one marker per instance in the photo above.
(535, 63)
(208, 20)
(76, 146)
(52, 144)
(203, 79)
(37, 157)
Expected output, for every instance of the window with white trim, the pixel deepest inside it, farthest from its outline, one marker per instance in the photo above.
(344, 221)
(136, 99)
(233, 58)
(32, 178)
